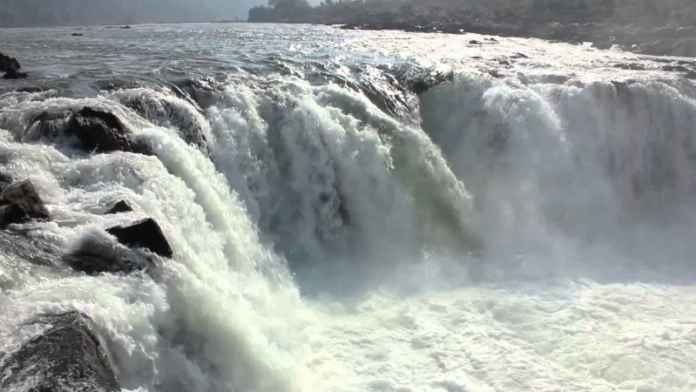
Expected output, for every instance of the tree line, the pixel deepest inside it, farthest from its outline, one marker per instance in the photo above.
(484, 11)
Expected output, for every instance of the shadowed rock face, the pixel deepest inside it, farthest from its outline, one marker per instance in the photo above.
(143, 234)
(67, 357)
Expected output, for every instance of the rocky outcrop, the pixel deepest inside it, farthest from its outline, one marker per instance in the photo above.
(120, 207)
(89, 129)
(20, 203)
(68, 357)
(11, 67)
(204, 92)
(143, 234)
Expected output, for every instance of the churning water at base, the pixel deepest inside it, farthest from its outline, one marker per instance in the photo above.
(365, 211)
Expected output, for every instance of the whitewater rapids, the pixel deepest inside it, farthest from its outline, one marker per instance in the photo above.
(366, 211)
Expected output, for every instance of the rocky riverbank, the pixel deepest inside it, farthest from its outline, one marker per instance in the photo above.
(659, 41)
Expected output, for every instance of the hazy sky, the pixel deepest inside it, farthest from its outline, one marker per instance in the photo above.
(51, 12)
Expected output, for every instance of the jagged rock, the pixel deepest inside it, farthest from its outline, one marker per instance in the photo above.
(68, 357)
(119, 207)
(21, 202)
(202, 91)
(143, 234)
(90, 129)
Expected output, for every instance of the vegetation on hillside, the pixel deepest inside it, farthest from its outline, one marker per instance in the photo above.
(517, 11)
(658, 27)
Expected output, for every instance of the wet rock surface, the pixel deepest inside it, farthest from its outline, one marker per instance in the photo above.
(35, 250)
(69, 356)
(99, 255)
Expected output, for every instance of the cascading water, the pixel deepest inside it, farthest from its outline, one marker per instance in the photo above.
(348, 215)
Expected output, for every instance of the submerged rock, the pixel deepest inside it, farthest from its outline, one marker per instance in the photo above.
(68, 357)
(184, 115)
(143, 234)
(24, 195)
(5, 180)
(91, 130)
(20, 202)
(119, 207)
(98, 254)
(35, 250)
(11, 214)
(204, 92)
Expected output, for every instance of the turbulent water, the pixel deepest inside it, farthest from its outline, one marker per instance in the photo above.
(367, 211)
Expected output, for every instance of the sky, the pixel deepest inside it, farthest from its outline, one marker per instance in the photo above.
(78, 12)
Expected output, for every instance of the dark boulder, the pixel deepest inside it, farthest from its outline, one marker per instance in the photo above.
(20, 202)
(15, 75)
(8, 63)
(11, 67)
(68, 357)
(102, 131)
(119, 207)
(204, 92)
(88, 129)
(5, 180)
(422, 85)
(12, 214)
(143, 234)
